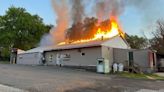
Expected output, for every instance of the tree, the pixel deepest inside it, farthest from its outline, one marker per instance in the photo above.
(20, 29)
(136, 42)
(157, 42)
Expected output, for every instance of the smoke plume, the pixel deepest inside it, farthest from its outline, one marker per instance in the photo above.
(106, 8)
(74, 11)
(62, 11)
(46, 40)
(77, 11)
(65, 16)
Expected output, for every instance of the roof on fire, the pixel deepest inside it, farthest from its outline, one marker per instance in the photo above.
(97, 43)
(80, 45)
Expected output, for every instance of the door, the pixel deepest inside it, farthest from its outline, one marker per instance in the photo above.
(131, 58)
(58, 59)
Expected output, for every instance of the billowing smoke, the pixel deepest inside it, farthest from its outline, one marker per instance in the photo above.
(74, 12)
(106, 8)
(62, 11)
(146, 8)
(77, 11)
(67, 11)
(46, 40)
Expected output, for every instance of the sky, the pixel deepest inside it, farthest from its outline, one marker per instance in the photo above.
(41, 7)
(131, 20)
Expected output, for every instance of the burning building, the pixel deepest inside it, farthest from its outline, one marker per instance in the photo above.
(81, 50)
(106, 41)
(85, 53)
(85, 42)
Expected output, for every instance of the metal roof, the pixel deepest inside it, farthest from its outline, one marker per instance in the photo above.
(80, 45)
(69, 46)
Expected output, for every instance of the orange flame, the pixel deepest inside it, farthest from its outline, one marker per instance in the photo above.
(112, 31)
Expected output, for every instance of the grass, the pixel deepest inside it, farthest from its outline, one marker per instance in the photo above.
(141, 76)
(4, 62)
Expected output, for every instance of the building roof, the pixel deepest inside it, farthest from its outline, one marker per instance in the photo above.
(85, 44)
(79, 45)
(19, 51)
(73, 46)
(34, 50)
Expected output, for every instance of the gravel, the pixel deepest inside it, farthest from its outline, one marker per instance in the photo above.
(59, 79)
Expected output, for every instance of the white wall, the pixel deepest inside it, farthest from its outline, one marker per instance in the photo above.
(76, 57)
(116, 42)
(29, 59)
(107, 53)
(49, 60)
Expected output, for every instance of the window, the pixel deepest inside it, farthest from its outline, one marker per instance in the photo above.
(51, 57)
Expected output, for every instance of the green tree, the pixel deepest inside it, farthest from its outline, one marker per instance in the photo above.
(136, 42)
(20, 29)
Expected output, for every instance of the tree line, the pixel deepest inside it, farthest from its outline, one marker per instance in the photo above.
(20, 29)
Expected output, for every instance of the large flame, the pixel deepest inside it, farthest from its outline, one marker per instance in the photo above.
(112, 30)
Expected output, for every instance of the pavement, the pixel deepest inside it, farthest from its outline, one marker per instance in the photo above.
(20, 78)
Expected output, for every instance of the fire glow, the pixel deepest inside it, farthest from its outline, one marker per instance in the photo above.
(113, 29)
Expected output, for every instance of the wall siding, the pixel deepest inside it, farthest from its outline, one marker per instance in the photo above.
(121, 56)
(76, 58)
(29, 59)
(107, 53)
(141, 58)
(48, 60)
(116, 42)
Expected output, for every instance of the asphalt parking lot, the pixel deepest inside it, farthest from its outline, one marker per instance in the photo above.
(56, 79)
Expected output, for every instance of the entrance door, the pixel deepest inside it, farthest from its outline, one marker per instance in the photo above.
(131, 58)
(58, 59)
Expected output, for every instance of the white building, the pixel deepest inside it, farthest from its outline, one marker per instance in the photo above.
(115, 49)
(84, 54)
(31, 57)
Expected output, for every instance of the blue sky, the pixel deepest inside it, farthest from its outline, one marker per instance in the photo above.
(41, 7)
(131, 20)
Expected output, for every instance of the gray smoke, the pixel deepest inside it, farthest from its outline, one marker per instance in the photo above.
(77, 11)
(57, 33)
(107, 8)
(64, 18)
(61, 9)
(68, 11)
(149, 11)
(146, 8)
(46, 40)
